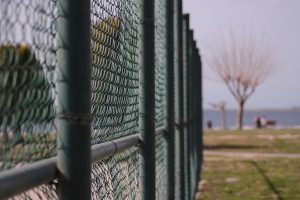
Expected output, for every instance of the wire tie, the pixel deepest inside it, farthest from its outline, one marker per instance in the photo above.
(116, 151)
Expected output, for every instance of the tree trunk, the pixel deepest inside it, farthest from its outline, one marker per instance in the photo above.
(240, 114)
(223, 116)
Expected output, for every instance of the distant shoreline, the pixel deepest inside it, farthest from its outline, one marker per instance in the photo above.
(249, 127)
(282, 117)
(297, 109)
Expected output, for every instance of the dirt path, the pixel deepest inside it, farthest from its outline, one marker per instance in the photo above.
(251, 155)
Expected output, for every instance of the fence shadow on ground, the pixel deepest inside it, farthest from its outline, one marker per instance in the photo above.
(267, 180)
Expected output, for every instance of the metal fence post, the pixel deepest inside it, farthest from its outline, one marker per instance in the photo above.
(170, 135)
(147, 101)
(192, 112)
(193, 142)
(186, 65)
(195, 103)
(74, 71)
(200, 111)
(181, 98)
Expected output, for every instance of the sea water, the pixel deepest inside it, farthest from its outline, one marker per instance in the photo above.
(284, 118)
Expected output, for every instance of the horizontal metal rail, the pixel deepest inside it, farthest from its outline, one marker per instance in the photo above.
(106, 149)
(109, 148)
(160, 131)
(18, 180)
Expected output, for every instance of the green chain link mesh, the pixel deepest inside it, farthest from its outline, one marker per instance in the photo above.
(115, 73)
(160, 61)
(27, 86)
(42, 192)
(27, 91)
(177, 165)
(160, 92)
(160, 168)
(115, 102)
(117, 177)
(27, 81)
(160, 84)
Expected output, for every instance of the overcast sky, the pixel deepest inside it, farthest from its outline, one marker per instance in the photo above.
(278, 19)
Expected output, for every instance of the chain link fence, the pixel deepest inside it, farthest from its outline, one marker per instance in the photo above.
(114, 48)
(160, 166)
(29, 99)
(160, 61)
(117, 177)
(27, 82)
(27, 87)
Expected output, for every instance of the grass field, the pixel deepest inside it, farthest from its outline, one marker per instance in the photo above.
(234, 178)
(263, 140)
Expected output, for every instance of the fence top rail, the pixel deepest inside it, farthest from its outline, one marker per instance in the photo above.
(18, 180)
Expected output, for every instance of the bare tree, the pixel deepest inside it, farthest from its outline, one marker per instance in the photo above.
(242, 62)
